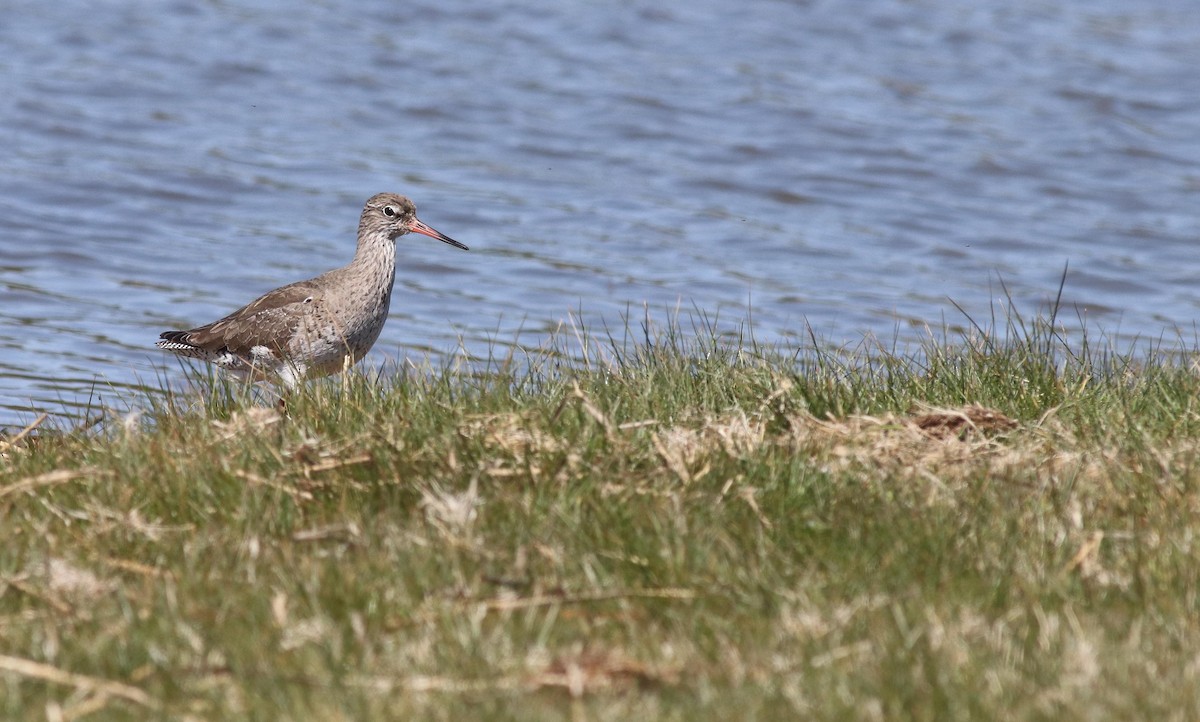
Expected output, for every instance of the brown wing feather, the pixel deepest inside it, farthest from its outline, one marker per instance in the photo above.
(269, 320)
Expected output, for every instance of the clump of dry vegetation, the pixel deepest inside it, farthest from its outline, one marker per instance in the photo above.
(680, 529)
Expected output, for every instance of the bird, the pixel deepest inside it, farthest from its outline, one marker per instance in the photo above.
(316, 327)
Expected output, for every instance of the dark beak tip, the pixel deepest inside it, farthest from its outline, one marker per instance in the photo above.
(451, 242)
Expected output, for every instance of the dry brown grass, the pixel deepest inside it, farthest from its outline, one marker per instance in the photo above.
(688, 536)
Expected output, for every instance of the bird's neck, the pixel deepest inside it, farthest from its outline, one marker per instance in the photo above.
(375, 259)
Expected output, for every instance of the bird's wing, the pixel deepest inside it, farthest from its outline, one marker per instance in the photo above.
(270, 320)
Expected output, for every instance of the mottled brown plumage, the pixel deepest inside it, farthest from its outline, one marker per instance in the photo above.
(314, 327)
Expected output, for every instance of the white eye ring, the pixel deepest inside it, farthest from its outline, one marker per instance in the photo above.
(390, 211)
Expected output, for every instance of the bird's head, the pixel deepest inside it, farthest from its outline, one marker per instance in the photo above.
(394, 215)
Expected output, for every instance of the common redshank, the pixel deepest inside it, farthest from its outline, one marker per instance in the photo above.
(319, 326)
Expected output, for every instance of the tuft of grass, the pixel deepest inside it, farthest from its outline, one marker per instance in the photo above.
(665, 524)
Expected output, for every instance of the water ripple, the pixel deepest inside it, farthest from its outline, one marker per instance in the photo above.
(851, 168)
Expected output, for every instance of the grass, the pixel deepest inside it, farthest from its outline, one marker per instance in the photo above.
(999, 525)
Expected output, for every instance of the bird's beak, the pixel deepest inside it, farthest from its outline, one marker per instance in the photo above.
(418, 227)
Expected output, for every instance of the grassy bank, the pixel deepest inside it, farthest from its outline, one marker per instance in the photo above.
(988, 528)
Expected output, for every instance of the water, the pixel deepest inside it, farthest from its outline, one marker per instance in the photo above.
(849, 166)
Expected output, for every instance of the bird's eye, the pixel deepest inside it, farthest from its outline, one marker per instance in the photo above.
(390, 211)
